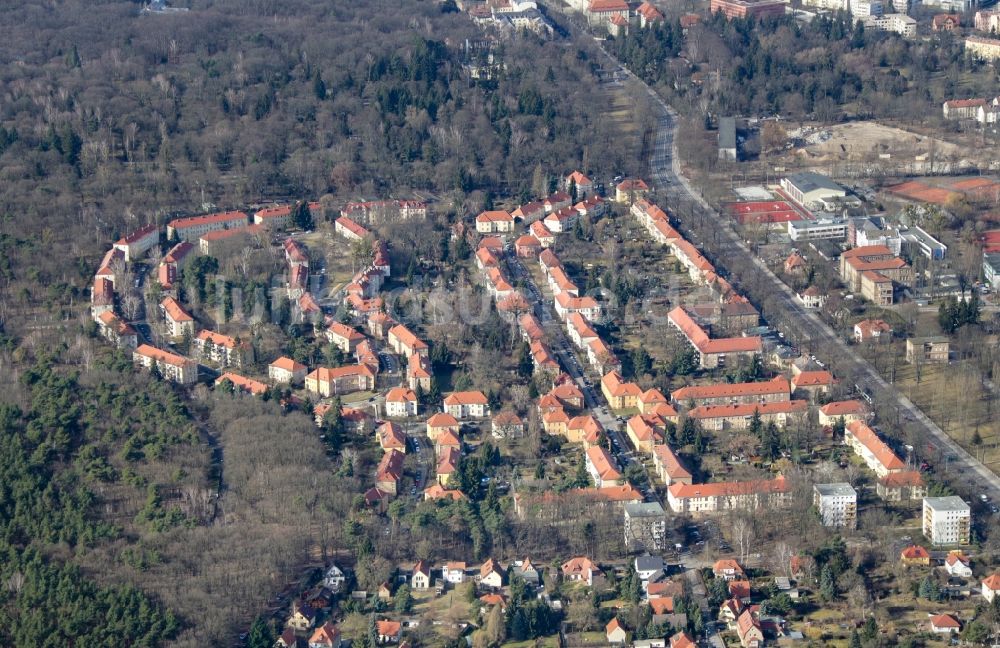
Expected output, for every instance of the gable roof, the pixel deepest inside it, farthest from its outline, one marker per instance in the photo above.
(870, 440)
(777, 385)
(175, 311)
(465, 398)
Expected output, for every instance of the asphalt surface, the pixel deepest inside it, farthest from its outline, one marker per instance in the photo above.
(784, 311)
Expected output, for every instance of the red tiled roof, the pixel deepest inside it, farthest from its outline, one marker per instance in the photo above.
(748, 409)
(777, 385)
(867, 437)
(175, 311)
(721, 489)
(255, 387)
(206, 219)
(288, 364)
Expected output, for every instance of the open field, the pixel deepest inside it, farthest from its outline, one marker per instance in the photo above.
(858, 140)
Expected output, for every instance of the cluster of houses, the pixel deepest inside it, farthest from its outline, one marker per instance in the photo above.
(984, 111)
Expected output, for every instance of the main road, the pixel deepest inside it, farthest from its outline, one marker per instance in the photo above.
(783, 309)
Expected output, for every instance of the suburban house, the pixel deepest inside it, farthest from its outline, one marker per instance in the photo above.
(221, 349)
(991, 587)
(178, 320)
(388, 632)
(325, 636)
(400, 402)
(447, 464)
(728, 569)
(748, 627)
(580, 569)
(958, 564)
(507, 424)
(491, 574)
(171, 366)
(454, 572)
(945, 624)
(302, 618)
(421, 578)
(915, 555)
(334, 578)
(615, 633)
(286, 370)
(872, 331)
(467, 404)
(343, 380)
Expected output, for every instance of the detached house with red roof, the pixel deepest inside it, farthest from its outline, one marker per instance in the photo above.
(467, 404)
(991, 587)
(872, 331)
(286, 370)
(326, 636)
(580, 570)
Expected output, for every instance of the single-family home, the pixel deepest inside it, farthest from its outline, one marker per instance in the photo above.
(491, 574)
(872, 331)
(615, 632)
(581, 570)
(507, 424)
(991, 586)
(454, 572)
(944, 624)
(728, 569)
(334, 578)
(326, 636)
(958, 564)
(302, 618)
(421, 578)
(915, 555)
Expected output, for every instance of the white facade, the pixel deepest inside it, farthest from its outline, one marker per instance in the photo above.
(837, 504)
(946, 520)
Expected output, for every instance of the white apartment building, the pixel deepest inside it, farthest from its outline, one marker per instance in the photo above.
(837, 504)
(862, 8)
(947, 520)
(896, 22)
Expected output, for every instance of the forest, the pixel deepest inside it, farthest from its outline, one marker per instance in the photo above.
(826, 69)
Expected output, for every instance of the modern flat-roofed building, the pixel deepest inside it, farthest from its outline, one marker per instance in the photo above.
(837, 504)
(808, 187)
(947, 520)
(645, 526)
(822, 228)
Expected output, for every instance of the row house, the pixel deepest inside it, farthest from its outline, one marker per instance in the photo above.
(586, 430)
(279, 217)
(618, 393)
(102, 297)
(405, 343)
(498, 286)
(418, 372)
(542, 234)
(447, 465)
(564, 220)
(848, 411)
(295, 253)
(813, 382)
(531, 328)
(173, 262)
(171, 366)
(242, 383)
(557, 201)
(221, 243)
(985, 49)
(486, 259)
(559, 282)
(531, 212)
(365, 354)
(739, 417)
(713, 353)
(630, 189)
(561, 507)
(221, 349)
(179, 322)
(988, 20)
(389, 471)
(876, 454)
(112, 264)
(466, 404)
(350, 230)
(653, 401)
(645, 432)
(116, 331)
(548, 261)
(776, 389)
(601, 357)
(668, 467)
(441, 423)
(138, 242)
(284, 370)
(602, 467)
(697, 499)
(902, 486)
(542, 359)
(494, 222)
(587, 306)
(193, 227)
(343, 380)
(381, 211)
(391, 437)
(378, 324)
(579, 330)
(344, 337)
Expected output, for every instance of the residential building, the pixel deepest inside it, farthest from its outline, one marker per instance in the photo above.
(947, 22)
(813, 382)
(749, 630)
(947, 520)
(895, 22)
(873, 269)
(349, 229)
(405, 343)
(602, 467)
(747, 8)
(602, 11)
(221, 243)
(645, 527)
(768, 391)
(116, 331)
(178, 321)
(739, 417)
(326, 636)
(957, 564)
(728, 569)
(902, 486)
(698, 499)
(343, 380)
(848, 411)
(618, 393)
(388, 632)
(988, 20)
(615, 633)
(991, 269)
(467, 404)
(454, 572)
(872, 331)
(932, 349)
(991, 587)
(878, 456)
(837, 504)
(584, 186)
(644, 433)
(491, 574)
(915, 556)
(171, 366)
(242, 383)
(400, 402)
(864, 8)
(953, 6)
(138, 242)
(391, 437)
(945, 624)
(421, 578)
(668, 466)
(286, 370)
(649, 567)
(712, 352)
(494, 222)
(630, 189)
(221, 349)
(173, 262)
(580, 570)
(193, 227)
(389, 471)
